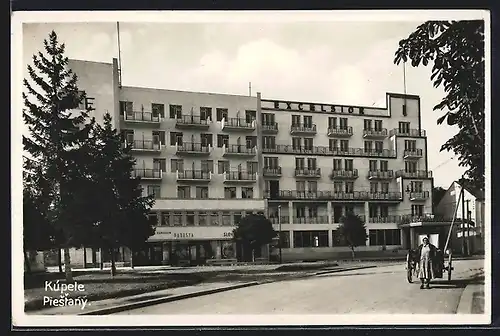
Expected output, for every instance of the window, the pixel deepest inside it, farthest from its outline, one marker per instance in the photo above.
(308, 143)
(296, 143)
(126, 106)
(337, 164)
(384, 187)
(367, 124)
(175, 138)
(300, 186)
(384, 166)
(372, 210)
(175, 111)
(222, 140)
(160, 164)
(384, 237)
(379, 146)
(246, 192)
(295, 120)
(237, 218)
(299, 163)
(127, 135)
(333, 144)
(158, 110)
(250, 116)
(378, 125)
(344, 145)
(205, 113)
(269, 142)
(251, 141)
(349, 187)
(230, 192)
(373, 165)
(160, 135)
(221, 113)
(404, 127)
(206, 140)
(417, 210)
(177, 219)
(207, 166)
(202, 219)
(373, 187)
(384, 211)
(312, 212)
(214, 218)
(226, 218)
(183, 192)
(154, 190)
(165, 219)
(410, 144)
(268, 119)
(311, 164)
(405, 113)
(176, 165)
(300, 212)
(271, 162)
(349, 209)
(312, 186)
(332, 122)
(202, 192)
(343, 123)
(410, 167)
(308, 121)
(310, 239)
(349, 164)
(252, 167)
(284, 239)
(190, 219)
(417, 186)
(338, 239)
(337, 187)
(368, 146)
(222, 167)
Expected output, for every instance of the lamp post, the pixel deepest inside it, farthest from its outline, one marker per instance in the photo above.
(279, 229)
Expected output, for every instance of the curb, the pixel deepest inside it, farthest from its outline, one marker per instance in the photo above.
(466, 300)
(344, 269)
(141, 304)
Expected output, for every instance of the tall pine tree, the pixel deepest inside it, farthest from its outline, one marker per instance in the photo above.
(57, 130)
(121, 211)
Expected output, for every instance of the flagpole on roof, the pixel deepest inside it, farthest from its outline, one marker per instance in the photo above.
(119, 55)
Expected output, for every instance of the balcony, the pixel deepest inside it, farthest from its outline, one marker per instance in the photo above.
(239, 177)
(425, 218)
(310, 220)
(192, 122)
(372, 133)
(317, 195)
(144, 146)
(380, 175)
(407, 132)
(344, 174)
(419, 196)
(339, 132)
(270, 128)
(238, 151)
(194, 176)
(237, 124)
(193, 149)
(150, 118)
(385, 219)
(327, 151)
(148, 174)
(419, 174)
(276, 220)
(386, 196)
(308, 173)
(303, 129)
(272, 172)
(412, 154)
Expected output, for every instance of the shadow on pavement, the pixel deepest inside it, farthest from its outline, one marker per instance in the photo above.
(456, 283)
(147, 297)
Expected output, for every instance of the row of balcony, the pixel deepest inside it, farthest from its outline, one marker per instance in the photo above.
(350, 174)
(353, 196)
(195, 175)
(325, 220)
(242, 124)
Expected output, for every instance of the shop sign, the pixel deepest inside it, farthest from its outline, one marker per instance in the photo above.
(186, 235)
(311, 107)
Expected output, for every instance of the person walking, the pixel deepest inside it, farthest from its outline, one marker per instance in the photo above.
(426, 259)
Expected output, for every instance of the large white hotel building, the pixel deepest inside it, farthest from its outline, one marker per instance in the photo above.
(211, 158)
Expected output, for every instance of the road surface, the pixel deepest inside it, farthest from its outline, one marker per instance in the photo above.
(381, 290)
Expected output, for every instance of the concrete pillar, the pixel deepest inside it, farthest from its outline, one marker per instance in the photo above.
(367, 221)
(330, 212)
(403, 238)
(290, 234)
(290, 212)
(330, 237)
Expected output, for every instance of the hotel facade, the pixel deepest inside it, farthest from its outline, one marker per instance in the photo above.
(210, 159)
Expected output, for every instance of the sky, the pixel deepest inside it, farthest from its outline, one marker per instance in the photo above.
(342, 62)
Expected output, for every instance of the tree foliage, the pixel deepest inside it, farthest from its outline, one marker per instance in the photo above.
(254, 231)
(456, 49)
(352, 231)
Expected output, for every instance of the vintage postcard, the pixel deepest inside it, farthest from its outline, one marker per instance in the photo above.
(251, 168)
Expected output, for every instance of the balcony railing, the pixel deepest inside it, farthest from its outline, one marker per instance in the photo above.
(310, 220)
(141, 116)
(193, 148)
(407, 219)
(238, 150)
(308, 172)
(303, 128)
(407, 132)
(144, 145)
(155, 174)
(192, 121)
(414, 175)
(237, 124)
(239, 176)
(412, 153)
(339, 131)
(344, 174)
(272, 171)
(380, 175)
(388, 196)
(326, 151)
(318, 195)
(284, 220)
(194, 175)
(270, 128)
(385, 219)
(375, 133)
(419, 196)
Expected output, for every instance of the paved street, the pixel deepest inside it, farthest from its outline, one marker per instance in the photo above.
(376, 290)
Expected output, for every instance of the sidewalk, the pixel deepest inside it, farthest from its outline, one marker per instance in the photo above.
(472, 299)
